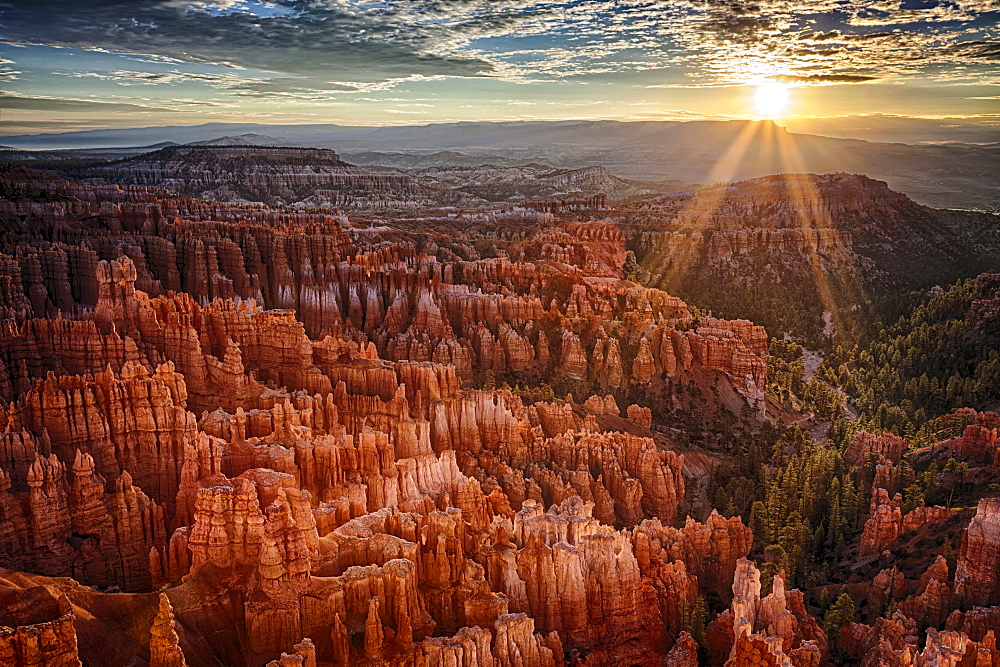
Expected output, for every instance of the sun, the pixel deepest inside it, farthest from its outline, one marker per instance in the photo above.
(771, 98)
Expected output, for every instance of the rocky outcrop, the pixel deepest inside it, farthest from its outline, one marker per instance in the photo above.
(775, 629)
(979, 443)
(684, 653)
(709, 551)
(893, 643)
(77, 529)
(164, 650)
(976, 622)
(933, 601)
(36, 628)
(884, 446)
(886, 522)
(889, 641)
(270, 419)
(274, 175)
(583, 580)
(977, 576)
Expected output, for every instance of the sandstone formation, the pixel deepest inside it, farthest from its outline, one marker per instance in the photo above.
(933, 600)
(274, 423)
(775, 629)
(243, 435)
(893, 643)
(273, 175)
(977, 577)
(36, 628)
(979, 443)
(163, 644)
(886, 521)
(864, 445)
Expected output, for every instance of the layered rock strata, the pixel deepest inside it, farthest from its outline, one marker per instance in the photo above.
(275, 428)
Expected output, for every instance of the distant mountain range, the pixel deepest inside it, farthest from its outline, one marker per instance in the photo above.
(941, 175)
(230, 170)
(248, 139)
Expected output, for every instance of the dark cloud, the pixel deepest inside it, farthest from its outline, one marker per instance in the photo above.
(977, 50)
(26, 103)
(824, 78)
(307, 37)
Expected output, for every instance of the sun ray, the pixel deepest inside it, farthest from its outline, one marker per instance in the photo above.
(813, 213)
(707, 202)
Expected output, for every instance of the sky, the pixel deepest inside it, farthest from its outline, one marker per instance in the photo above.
(67, 66)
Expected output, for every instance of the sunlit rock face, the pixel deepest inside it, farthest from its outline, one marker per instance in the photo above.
(274, 421)
(772, 630)
(977, 578)
(233, 434)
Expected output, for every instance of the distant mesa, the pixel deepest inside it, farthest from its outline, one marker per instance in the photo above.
(249, 139)
(287, 175)
(275, 175)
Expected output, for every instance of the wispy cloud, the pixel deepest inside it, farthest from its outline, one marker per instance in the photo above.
(15, 101)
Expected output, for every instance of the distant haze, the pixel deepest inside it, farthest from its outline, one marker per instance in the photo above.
(959, 176)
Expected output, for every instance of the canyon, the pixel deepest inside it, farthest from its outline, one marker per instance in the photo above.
(239, 433)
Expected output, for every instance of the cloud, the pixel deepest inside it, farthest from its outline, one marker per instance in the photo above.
(370, 46)
(13, 101)
(131, 77)
(7, 73)
(977, 49)
(9, 101)
(824, 78)
(334, 37)
(8, 127)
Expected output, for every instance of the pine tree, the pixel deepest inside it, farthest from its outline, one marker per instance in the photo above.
(696, 624)
(840, 613)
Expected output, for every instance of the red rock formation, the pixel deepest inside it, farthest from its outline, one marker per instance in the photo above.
(977, 576)
(980, 441)
(932, 603)
(884, 446)
(976, 622)
(36, 629)
(887, 585)
(709, 551)
(627, 477)
(135, 422)
(77, 529)
(884, 524)
(890, 643)
(923, 515)
(684, 653)
(164, 650)
(290, 407)
(304, 656)
(592, 593)
(775, 629)
(887, 642)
